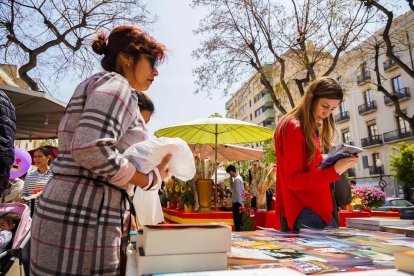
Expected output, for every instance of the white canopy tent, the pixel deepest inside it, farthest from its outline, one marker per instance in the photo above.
(37, 114)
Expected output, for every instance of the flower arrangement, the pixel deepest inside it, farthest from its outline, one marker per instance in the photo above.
(368, 196)
(187, 196)
(247, 212)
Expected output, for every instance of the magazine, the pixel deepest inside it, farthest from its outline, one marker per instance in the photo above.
(342, 151)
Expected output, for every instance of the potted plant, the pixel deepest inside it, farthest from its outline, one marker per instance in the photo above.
(187, 199)
(369, 196)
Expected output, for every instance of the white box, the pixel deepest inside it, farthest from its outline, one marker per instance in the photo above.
(180, 262)
(166, 239)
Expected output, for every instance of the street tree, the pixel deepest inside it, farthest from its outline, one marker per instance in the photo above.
(53, 35)
(402, 166)
(300, 40)
(392, 41)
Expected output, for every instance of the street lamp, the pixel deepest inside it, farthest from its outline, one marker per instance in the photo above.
(381, 182)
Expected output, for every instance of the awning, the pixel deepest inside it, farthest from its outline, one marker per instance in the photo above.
(37, 114)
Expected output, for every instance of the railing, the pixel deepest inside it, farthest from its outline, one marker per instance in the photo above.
(342, 117)
(367, 107)
(388, 64)
(375, 170)
(371, 141)
(351, 172)
(366, 76)
(269, 113)
(397, 135)
(402, 94)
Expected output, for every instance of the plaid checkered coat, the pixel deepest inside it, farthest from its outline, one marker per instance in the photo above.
(78, 223)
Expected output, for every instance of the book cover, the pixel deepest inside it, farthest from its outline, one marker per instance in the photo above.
(342, 151)
(305, 267)
(405, 261)
(164, 239)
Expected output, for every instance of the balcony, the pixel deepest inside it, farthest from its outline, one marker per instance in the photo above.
(397, 135)
(375, 170)
(269, 113)
(351, 172)
(342, 117)
(363, 78)
(371, 141)
(368, 107)
(267, 100)
(389, 64)
(402, 95)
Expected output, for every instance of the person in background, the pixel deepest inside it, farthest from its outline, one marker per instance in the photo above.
(91, 175)
(237, 189)
(303, 196)
(15, 189)
(7, 135)
(8, 225)
(37, 179)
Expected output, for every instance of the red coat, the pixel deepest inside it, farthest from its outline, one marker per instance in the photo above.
(297, 184)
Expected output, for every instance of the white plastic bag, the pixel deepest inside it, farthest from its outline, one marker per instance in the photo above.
(146, 155)
(147, 207)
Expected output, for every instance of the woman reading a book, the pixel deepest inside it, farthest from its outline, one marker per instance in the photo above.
(303, 197)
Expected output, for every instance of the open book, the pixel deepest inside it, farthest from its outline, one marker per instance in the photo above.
(342, 151)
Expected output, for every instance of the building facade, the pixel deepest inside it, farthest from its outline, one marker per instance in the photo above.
(366, 118)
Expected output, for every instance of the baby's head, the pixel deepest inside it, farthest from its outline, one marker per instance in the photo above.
(146, 106)
(9, 221)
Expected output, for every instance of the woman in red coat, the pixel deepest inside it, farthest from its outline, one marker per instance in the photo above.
(303, 190)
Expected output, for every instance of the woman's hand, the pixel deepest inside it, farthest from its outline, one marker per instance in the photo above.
(19, 200)
(342, 165)
(162, 167)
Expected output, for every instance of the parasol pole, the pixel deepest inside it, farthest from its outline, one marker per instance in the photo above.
(215, 167)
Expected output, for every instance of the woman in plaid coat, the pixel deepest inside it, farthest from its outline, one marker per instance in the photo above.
(78, 223)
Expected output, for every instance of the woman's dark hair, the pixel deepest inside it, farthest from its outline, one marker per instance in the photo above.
(46, 152)
(144, 102)
(127, 39)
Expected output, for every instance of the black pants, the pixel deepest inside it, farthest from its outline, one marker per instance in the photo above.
(236, 216)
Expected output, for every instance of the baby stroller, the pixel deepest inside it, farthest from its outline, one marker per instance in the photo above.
(20, 238)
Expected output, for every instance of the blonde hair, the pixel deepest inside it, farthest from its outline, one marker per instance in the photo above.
(324, 87)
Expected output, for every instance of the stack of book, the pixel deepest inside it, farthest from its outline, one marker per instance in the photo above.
(375, 224)
(183, 248)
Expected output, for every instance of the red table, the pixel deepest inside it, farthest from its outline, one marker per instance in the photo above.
(343, 215)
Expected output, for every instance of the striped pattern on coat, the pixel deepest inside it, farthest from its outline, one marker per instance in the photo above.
(77, 225)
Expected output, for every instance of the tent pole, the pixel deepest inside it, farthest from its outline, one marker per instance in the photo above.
(215, 166)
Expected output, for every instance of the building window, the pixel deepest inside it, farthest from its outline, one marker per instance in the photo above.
(372, 128)
(346, 138)
(368, 97)
(375, 156)
(342, 107)
(258, 112)
(402, 124)
(259, 96)
(251, 117)
(396, 84)
(364, 69)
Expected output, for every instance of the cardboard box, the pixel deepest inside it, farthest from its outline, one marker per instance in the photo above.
(180, 262)
(168, 239)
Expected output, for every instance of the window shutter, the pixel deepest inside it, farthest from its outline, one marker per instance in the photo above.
(365, 164)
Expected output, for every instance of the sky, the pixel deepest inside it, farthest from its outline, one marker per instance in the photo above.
(173, 90)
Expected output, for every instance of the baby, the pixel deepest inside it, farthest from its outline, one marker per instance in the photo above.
(8, 224)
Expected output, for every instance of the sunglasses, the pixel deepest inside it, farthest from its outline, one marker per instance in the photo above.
(152, 61)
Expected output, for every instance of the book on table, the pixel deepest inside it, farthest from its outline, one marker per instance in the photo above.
(341, 152)
(165, 239)
(148, 264)
(405, 261)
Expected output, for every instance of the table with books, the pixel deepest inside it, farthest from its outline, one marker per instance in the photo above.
(205, 247)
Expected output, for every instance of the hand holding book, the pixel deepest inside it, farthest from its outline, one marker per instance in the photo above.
(343, 158)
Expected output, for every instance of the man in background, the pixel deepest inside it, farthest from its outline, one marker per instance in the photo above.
(7, 134)
(237, 189)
